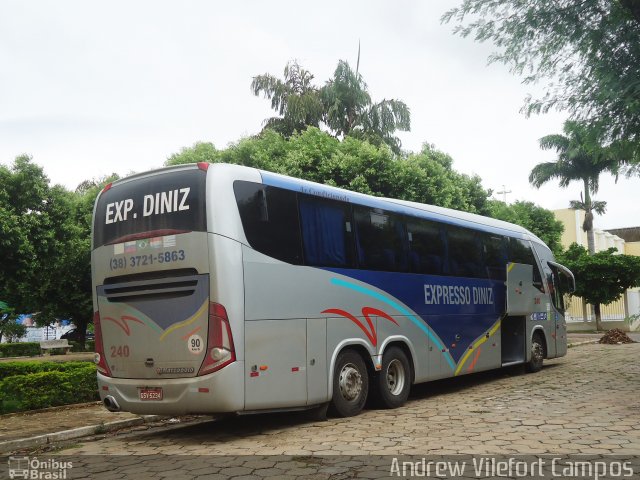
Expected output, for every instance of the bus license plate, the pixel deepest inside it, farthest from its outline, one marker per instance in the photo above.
(150, 393)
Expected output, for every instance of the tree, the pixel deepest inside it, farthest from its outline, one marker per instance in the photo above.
(343, 105)
(580, 158)
(23, 218)
(603, 277)
(295, 99)
(200, 152)
(350, 110)
(536, 219)
(9, 327)
(46, 245)
(587, 50)
(357, 165)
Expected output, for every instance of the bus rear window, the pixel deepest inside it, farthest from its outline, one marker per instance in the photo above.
(164, 203)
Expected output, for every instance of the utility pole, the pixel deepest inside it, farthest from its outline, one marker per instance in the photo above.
(504, 193)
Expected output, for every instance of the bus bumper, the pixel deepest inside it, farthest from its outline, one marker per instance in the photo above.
(219, 392)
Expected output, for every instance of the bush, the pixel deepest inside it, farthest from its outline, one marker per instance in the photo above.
(10, 369)
(22, 349)
(49, 388)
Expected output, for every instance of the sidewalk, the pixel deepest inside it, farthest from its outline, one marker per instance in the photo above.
(40, 427)
(33, 429)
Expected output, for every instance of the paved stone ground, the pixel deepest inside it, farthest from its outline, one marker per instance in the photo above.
(586, 402)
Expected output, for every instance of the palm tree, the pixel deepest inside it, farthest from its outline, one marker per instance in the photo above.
(295, 98)
(581, 158)
(350, 110)
(343, 104)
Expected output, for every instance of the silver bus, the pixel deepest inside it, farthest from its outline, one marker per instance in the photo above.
(222, 288)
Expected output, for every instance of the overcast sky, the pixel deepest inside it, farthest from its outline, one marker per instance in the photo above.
(91, 88)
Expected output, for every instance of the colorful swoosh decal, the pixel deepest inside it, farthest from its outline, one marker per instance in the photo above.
(366, 311)
(392, 303)
(188, 321)
(475, 360)
(122, 323)
(132, 312)
(476, 345)
(192, 332)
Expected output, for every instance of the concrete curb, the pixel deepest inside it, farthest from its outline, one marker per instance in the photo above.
(39, 440)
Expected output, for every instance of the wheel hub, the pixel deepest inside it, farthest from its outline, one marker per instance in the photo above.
(395, 377)
(350, 382)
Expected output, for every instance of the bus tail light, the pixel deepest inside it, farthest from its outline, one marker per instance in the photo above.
(99, 357)
(220, 350)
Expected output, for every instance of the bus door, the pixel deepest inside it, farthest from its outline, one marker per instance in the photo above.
(562, 283)
(520, 305)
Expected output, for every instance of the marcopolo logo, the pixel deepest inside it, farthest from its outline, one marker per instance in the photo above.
(174, 370)
(34, 468)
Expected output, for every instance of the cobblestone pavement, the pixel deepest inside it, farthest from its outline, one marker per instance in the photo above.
(586, 402)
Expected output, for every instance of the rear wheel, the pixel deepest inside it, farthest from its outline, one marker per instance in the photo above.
(350, 385)
(392, 384)
(537, 354)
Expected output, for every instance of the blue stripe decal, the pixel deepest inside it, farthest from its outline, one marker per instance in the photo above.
(417, 322)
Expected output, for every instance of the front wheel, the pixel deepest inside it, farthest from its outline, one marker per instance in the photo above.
(393, 382)
(350, 385)
(537, 354)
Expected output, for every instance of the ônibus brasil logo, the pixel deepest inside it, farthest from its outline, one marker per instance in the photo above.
(34, 468)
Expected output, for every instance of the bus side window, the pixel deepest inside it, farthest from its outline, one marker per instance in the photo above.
(520, 252)
(380, 240)
(270, 220)
(465, 254)
(426, 247)
(495, 255)
(326, 232)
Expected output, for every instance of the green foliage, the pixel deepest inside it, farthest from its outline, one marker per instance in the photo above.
(580, 157)
(343, 104)
(9, 328)
(22, 349)
(349, 110)
(603, 277)
(296, 100)
(357, 165)
(46, 249)
(10, 369)
(588, 50)
(200, 152)
(49, 388)
(532, 217)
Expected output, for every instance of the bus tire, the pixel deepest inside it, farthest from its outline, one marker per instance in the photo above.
(350, 384)
(392, 384)
(537, 354)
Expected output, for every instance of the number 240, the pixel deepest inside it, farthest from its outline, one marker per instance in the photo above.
(120, 351)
